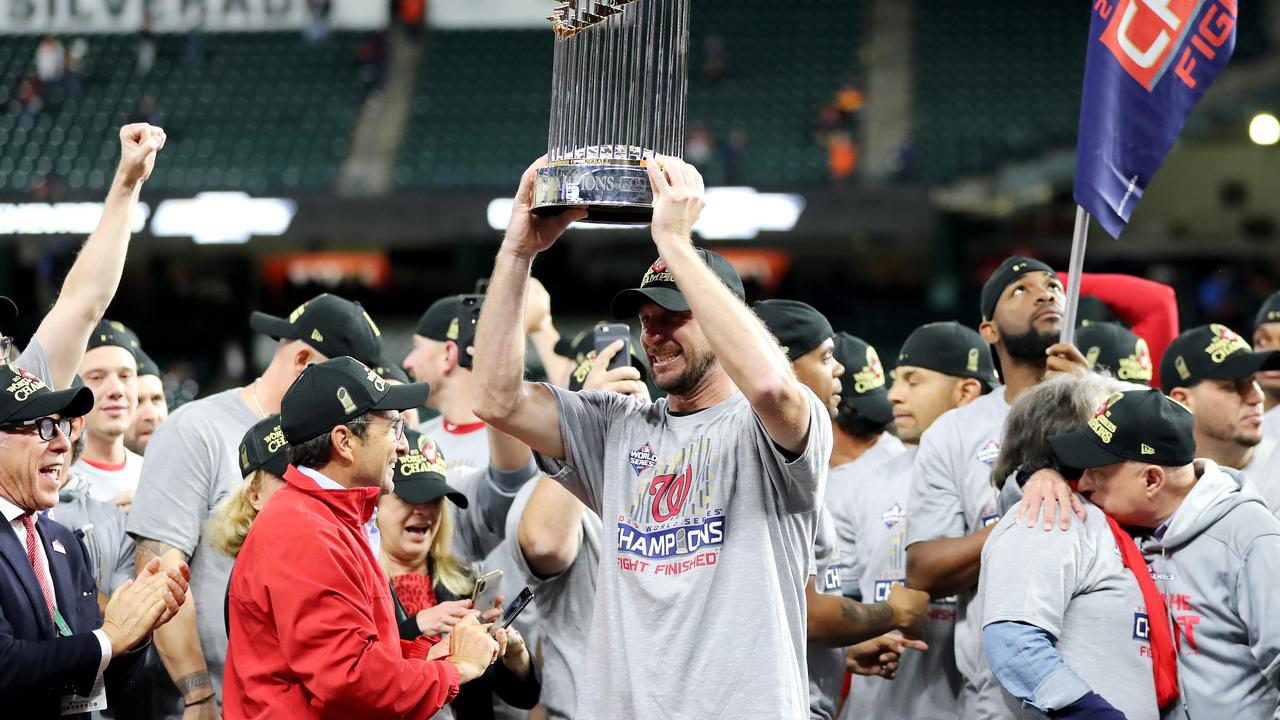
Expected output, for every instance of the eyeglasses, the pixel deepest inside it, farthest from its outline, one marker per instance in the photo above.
(46, 426)
(397, 428)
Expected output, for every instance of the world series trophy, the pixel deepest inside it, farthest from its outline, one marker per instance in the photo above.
(618, 88)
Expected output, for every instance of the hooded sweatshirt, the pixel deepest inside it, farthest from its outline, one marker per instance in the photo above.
(313, 628)
(1217, 561)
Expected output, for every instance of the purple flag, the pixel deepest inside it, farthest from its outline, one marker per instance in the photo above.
(1148, 63)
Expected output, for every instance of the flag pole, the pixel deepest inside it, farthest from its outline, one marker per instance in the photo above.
(1078, 240)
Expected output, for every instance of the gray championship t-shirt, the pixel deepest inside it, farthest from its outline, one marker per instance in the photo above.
(106, 483)
(839, 481)
(1074, 585)
(191, 466)
(927, 686)
(565, 605)
(464, 446)
(826, 665)
(101, 525)
(952, 496)
(700, 605)
(34, 361)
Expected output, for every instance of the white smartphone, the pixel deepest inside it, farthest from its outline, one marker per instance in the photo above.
(487, 588)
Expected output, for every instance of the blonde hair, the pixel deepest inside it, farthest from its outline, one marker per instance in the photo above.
(447, 569)
(229, 524)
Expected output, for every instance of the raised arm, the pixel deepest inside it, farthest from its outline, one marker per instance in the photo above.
(501, 396)
(92, 281)
(745, 349)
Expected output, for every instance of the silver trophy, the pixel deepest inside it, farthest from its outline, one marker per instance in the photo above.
(618, 88)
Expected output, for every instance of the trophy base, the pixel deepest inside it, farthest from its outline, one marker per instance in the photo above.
(617, 194)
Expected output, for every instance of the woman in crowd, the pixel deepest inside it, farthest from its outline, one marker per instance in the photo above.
(432, 582)
(262, 462)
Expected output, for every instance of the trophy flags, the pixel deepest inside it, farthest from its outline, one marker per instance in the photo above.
(1148, 63)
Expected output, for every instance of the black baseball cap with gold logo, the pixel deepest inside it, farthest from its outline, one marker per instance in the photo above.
(1211, 352)
(659, 286)
(111, 332)
(1141, 425)
(1269, 312)
(440, 321)
(1110, 346)
(337, 391)
(23, 396)
(332, 325)
(420, 474)
(799, 327)
(264, 448)
(951, 349)
(862, 386)
(1011, 269)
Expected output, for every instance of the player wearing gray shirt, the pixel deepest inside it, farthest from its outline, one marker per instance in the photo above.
(840, 493)
(826, 665)
(709, 495)
(1073, 586)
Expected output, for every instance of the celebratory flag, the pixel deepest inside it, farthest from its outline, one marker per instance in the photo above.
(1148, 63)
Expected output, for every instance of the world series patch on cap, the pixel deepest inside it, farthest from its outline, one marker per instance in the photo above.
(798, 326)
(1140, 425)
(23, 396)
(862, 387)
(264, 447)
(332, 325)
(659, 287)
(420, 473)
(1109, 346)
(1211, 352)
(338, 391)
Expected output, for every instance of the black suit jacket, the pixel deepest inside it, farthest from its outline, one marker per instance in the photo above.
(36, 666)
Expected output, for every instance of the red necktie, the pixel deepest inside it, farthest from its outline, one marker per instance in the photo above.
(1164, 657)
(42, 577)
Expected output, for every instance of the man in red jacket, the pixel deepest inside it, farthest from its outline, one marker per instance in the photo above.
(312, 626)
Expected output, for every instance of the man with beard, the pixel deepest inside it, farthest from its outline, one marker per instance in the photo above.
(710, 495)
(1266, 336)
(953, 501)
(834, 621)
(1214, 373)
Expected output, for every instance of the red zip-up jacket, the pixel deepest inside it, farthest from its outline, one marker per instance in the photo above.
(312, 626)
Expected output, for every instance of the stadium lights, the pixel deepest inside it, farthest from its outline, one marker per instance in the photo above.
(223, 217)
(66, 218)
(1264, 129)
(732, 213)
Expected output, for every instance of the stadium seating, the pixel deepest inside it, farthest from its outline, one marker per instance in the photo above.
(483, 98)
(263, 110)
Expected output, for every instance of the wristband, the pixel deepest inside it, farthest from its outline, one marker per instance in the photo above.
(201, 701)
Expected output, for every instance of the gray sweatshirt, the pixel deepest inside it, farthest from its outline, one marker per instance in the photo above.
(1217, 562)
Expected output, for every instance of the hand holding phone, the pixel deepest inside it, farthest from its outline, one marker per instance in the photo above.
(486, 591)
(468, 316)
(605, 335)
(516, 607)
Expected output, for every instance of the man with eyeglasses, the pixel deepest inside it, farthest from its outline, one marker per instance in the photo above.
(192, 463)
(62, 656)
(313, 628)
(54, 352)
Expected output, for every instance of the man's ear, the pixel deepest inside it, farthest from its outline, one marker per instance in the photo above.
(342, 444)
(966, 391)
(450, 356)
(302, 357)
(1155, 479)
(1183, 395)
(989, 332)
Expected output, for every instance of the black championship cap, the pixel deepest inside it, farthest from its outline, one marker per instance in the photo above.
(1140, 425)
(1092, 310)
(391, 371)
(1109, 346)
(420, 473)
(23, 396)
(1269, 312)
(659, 287)
(951, 349)
(862, 386)
(332, 325)
(146, 366)
(110, 332)
(337, 391)
(440, 321)
(264, 448)
(577, 348)
(1009, 270)
(1211, 352)
(798, 326)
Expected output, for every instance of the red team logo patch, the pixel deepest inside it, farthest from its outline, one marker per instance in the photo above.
(669, 493)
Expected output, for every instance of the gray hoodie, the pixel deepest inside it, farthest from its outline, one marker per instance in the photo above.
(1218, 564)
(101, 528)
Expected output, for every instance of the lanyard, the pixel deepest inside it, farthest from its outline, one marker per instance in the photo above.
(64, 630)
